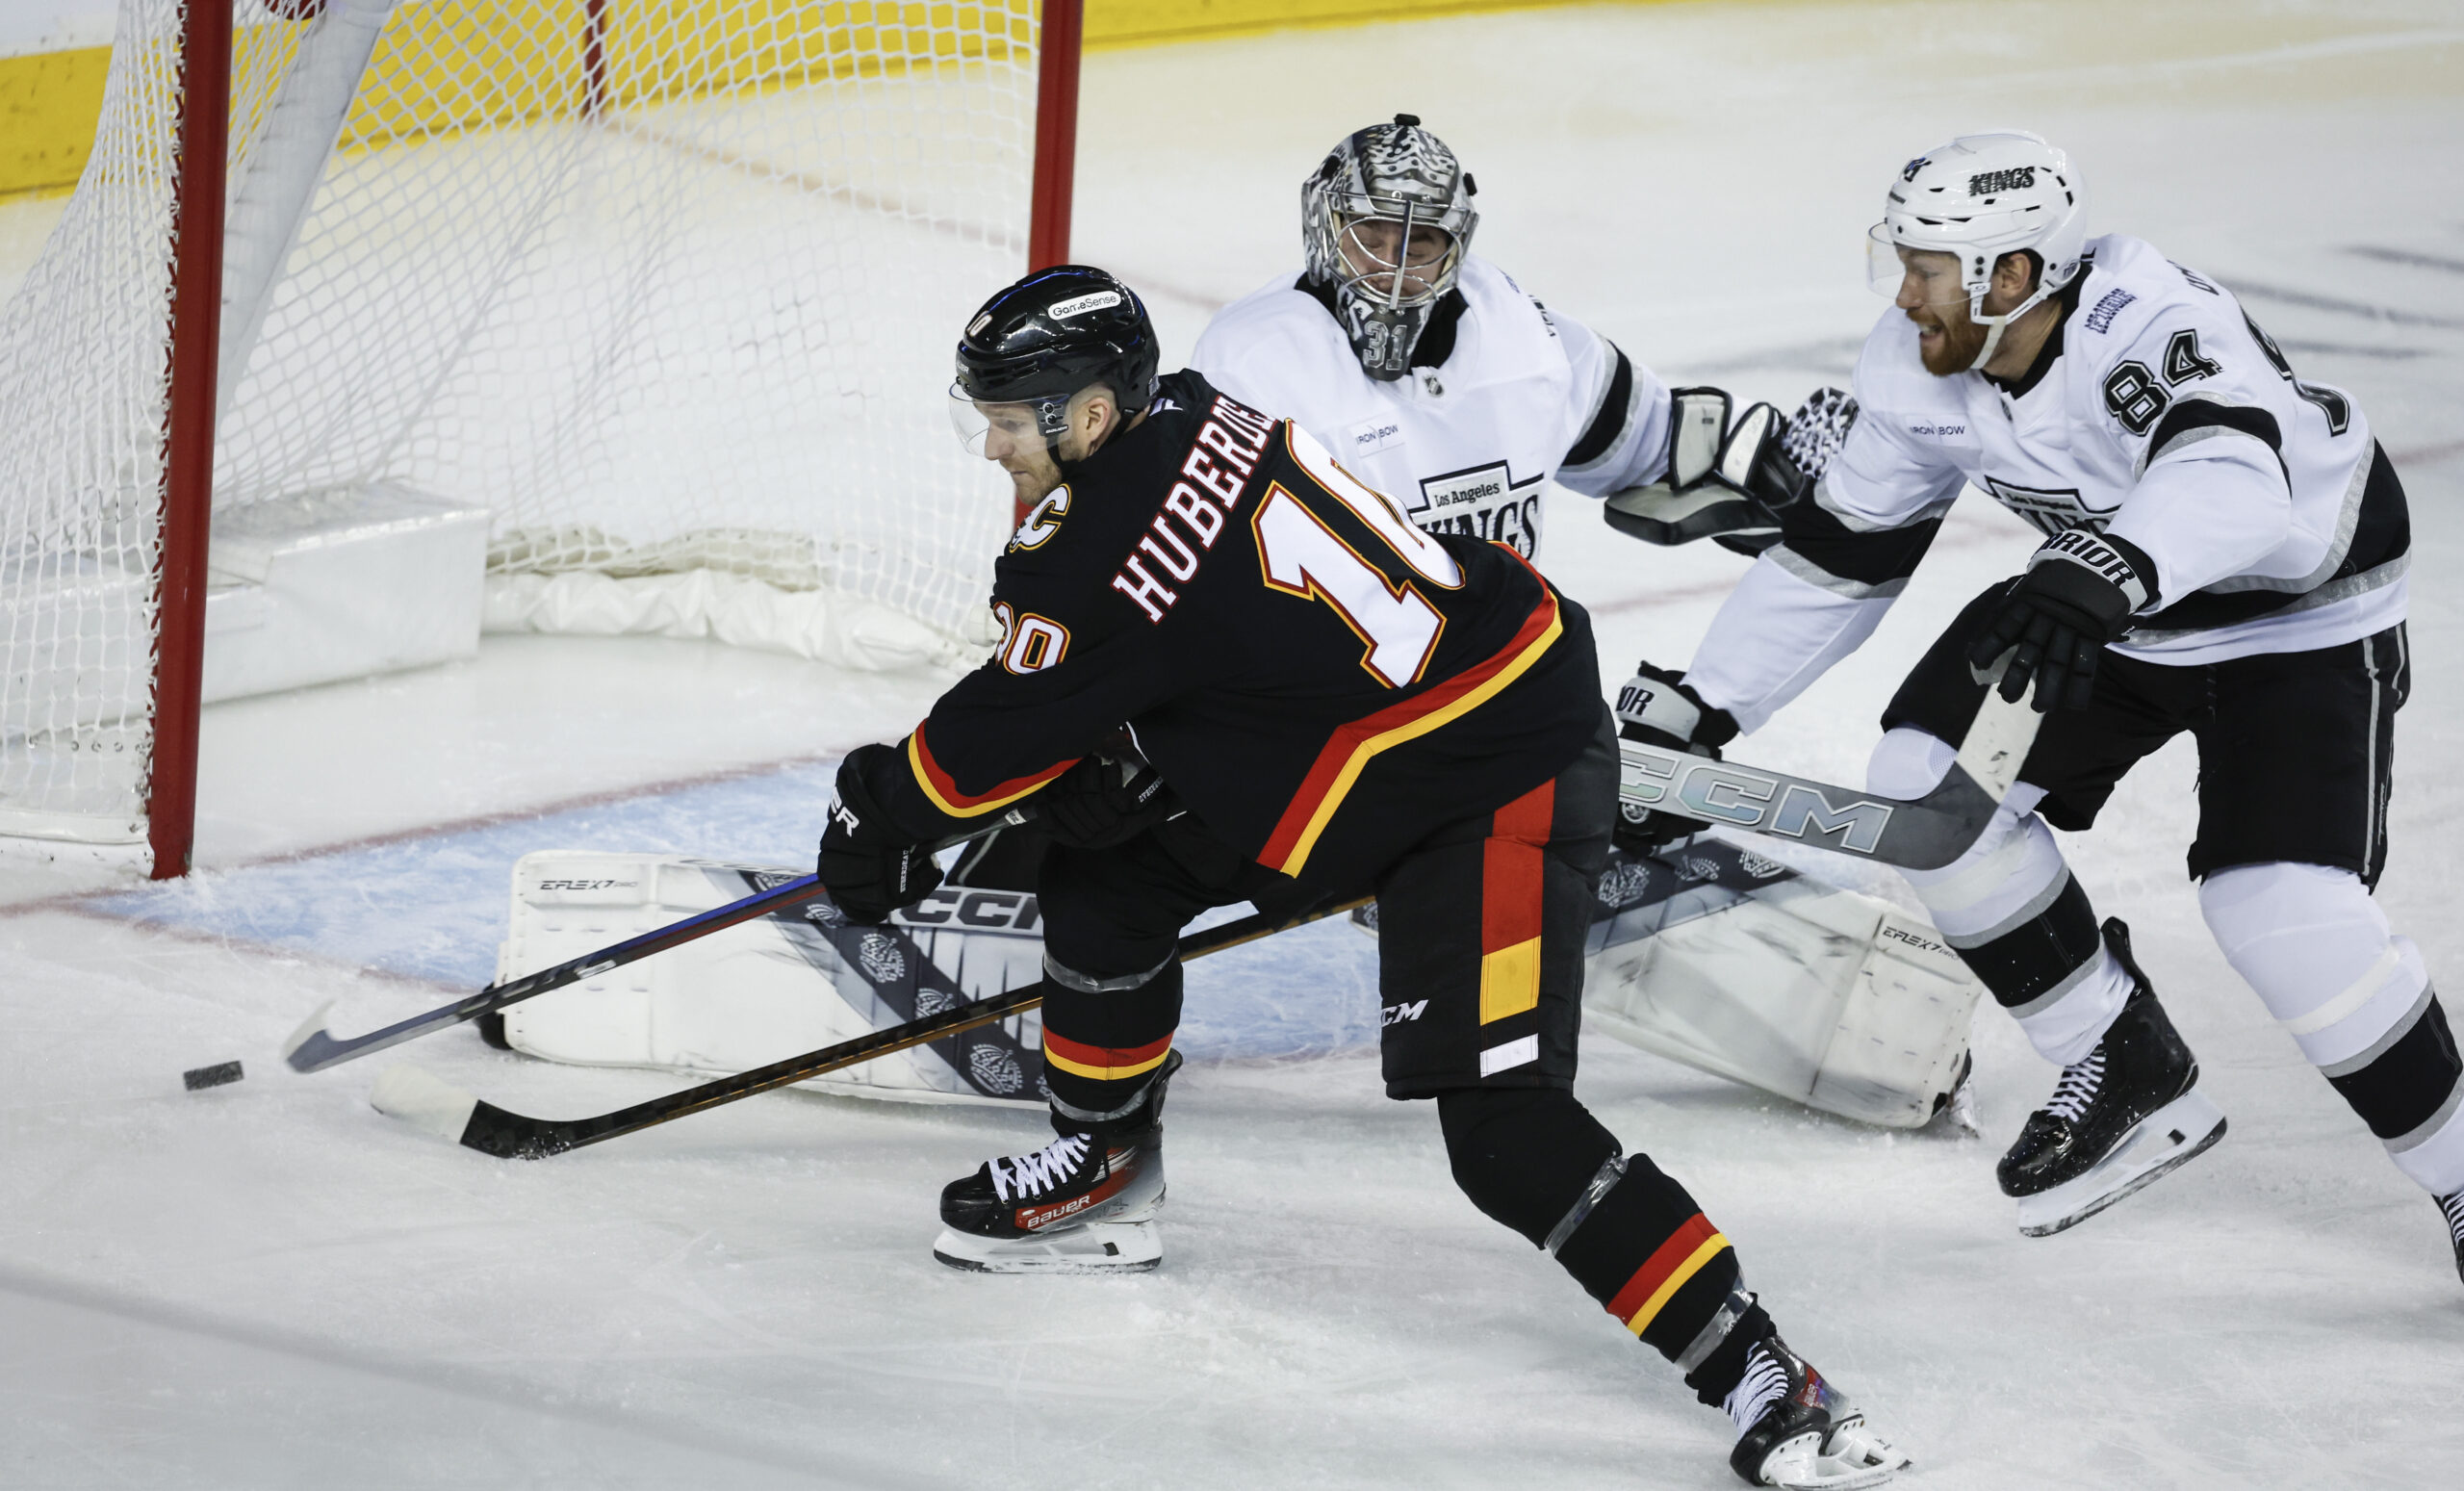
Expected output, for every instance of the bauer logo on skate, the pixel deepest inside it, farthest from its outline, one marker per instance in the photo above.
(1032, 1219)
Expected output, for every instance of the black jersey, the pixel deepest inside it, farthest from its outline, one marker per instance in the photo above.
(1321, 681)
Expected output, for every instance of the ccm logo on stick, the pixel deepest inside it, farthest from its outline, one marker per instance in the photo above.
(1749, 799)
(977, 911)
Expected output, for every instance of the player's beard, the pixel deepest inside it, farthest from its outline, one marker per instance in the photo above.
(1032, 477)
(1953, 347)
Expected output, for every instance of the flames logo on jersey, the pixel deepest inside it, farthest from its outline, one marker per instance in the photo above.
(1043, 521)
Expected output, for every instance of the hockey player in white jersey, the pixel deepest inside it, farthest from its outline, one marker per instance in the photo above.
(1428, 371)
(2225, 555)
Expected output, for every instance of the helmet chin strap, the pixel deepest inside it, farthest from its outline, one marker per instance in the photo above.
(1995, 326)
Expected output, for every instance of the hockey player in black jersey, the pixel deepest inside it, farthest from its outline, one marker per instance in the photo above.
(1231, 672)
(2227, 554)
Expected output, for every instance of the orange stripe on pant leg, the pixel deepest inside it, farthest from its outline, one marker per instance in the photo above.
(1104, 1064)
(1694, 1243)
(1511, 876)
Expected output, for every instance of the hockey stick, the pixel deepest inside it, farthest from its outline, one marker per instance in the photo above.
(416, 1098)
(313, 1048)
(1918, 833)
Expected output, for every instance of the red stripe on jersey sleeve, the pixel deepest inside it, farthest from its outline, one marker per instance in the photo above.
(946, 795)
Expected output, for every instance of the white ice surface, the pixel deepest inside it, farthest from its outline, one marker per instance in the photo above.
(270, 1285)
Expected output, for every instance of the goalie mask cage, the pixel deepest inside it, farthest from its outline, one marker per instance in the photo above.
(665, 289)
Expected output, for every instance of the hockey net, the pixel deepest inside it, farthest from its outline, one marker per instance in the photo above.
(666, 286)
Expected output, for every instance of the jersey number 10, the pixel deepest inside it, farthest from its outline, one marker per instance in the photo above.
(1301, 556)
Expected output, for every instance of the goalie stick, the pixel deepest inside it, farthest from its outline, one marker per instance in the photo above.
(1918, 833)
(424, 1101)
(313, 1048)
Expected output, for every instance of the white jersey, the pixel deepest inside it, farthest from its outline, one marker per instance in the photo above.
(2159, 412)
(1512, 397)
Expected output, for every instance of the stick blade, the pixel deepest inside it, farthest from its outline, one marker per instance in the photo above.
(423, 1101)
(1998, 742)
(311, 1046)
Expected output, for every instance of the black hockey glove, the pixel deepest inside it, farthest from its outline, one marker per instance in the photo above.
(1659, 707)
(871, 868)
(2079, 593)
(1104, 800)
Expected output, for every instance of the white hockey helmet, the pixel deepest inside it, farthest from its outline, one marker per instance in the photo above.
(1979, 198)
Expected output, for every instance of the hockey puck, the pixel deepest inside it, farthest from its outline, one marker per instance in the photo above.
(215, 1075)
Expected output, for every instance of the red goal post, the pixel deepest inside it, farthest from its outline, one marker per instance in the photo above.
(645, 303)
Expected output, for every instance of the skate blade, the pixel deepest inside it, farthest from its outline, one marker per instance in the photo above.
(1850, 1456)
(1097, 1248)
(2163, 1142)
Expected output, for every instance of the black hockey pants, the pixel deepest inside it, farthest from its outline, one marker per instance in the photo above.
(1481, 962)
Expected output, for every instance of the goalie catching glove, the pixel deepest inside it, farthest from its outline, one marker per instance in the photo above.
(1730, 481)
(2079, 593)
(1659, 707)
(871, 868)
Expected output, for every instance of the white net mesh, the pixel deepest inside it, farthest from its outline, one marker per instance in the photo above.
(665, 284)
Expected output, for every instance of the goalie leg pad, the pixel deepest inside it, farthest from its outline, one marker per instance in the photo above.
(1735, 964)
(752, 993)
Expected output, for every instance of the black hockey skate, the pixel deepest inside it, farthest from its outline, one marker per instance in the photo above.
(1796, 1430)
(2121, 1117)
(1085, 1204)
(2452, 1207)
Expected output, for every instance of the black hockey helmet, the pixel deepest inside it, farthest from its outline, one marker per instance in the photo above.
(1041, 341)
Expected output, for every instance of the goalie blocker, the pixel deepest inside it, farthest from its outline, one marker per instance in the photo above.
(1710, 955)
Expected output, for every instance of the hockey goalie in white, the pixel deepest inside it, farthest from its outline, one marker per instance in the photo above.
(1427, 371)
(2226, 555)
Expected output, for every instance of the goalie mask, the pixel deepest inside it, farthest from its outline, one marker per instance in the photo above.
(1977, 198)
(1386, 221)
(1038, 343)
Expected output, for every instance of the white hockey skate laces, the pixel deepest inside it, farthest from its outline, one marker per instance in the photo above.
(2078, 1087)
(2454, 1208)
(1031, 1176)
(1763, 1384)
